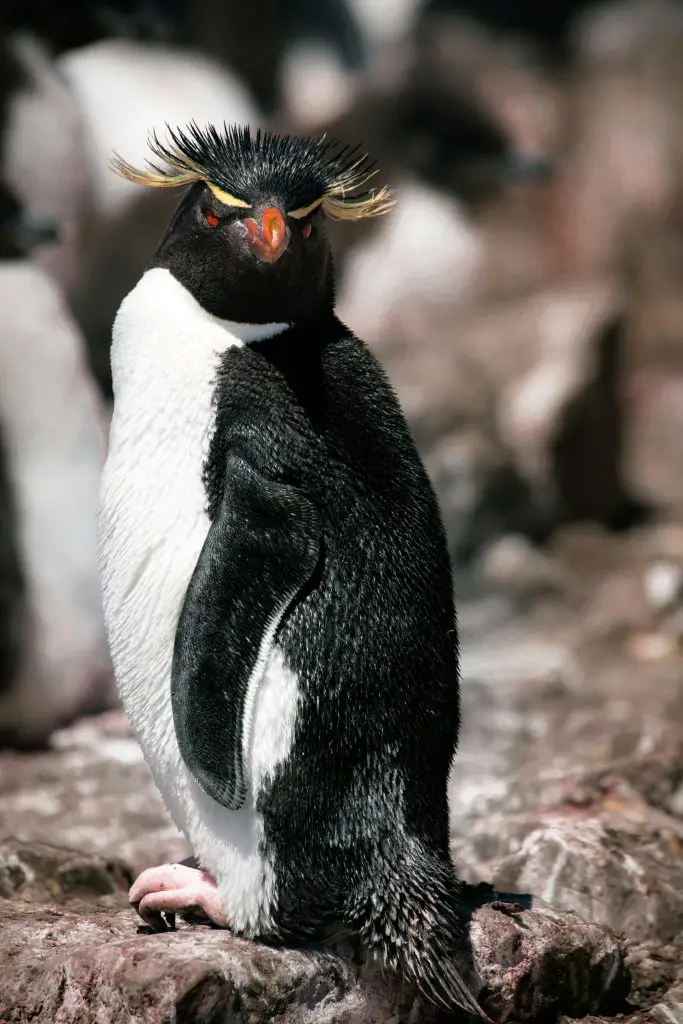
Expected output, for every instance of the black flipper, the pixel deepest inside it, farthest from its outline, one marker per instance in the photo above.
(264, 544)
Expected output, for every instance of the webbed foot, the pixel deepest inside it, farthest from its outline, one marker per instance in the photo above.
(159, 893)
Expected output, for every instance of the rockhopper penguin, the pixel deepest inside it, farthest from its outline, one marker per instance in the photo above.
(276, 581)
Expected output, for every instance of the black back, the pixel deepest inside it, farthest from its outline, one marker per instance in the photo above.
(12, 581)
(372, 636)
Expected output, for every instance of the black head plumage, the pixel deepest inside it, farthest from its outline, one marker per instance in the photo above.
(241, 167)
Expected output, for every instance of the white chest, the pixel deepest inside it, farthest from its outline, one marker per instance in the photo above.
(152, 502)
(153, 524)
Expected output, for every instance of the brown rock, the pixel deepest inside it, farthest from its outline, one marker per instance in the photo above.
(535, 961)
(78, 964)
(669, 1010)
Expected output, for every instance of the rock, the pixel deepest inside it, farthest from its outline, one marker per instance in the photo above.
(76, 966)
(512, 565)
(668, 1011)
(84, 817)
(619, 868)
(79, 963)
(40, 873)
(610, 857)
(663, 584)
(657, 976)
(91, 791)
(535, 961)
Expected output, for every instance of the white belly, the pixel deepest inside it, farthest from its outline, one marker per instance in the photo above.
(152, 527)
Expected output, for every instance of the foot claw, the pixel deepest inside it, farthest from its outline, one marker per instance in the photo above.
(159, 893)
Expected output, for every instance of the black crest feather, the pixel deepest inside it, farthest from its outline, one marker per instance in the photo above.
(240, 167)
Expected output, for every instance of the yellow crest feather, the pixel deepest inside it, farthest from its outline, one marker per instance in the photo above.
(226, 198)
(303, 211)
(209, 157)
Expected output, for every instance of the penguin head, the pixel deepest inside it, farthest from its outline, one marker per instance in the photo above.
(249, 238)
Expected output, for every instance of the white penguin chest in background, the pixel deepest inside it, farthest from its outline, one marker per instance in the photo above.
(152, 526)
(53, 431)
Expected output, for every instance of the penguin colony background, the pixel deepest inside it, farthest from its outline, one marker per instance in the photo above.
(76, 81)
(54, 663)
(276, 581)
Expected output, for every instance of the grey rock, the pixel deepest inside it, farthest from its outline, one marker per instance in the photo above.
(534, 962)
(40, 873)
(624, 872)
(77, 966)
(91, 791)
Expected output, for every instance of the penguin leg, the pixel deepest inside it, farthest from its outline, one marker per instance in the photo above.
(174, 888)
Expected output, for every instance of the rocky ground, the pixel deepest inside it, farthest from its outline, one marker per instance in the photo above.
(568, 785)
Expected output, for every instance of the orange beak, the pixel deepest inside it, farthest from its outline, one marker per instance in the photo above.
(270, 238)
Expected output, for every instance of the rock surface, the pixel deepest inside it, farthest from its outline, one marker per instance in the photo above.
(69, 953)
(83, 964)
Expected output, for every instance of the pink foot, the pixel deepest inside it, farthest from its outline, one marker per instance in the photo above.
(173, 888)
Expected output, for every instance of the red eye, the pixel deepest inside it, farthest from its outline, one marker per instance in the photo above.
(211, 219)
(306, 230)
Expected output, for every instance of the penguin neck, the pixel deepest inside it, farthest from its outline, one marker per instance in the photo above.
(166, 348)
(163, 320)
(247, 333)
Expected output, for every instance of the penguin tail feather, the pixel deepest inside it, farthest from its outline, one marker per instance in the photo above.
(417, 926)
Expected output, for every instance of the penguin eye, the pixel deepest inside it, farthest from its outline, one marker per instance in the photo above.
(306, 229)
(211, 219)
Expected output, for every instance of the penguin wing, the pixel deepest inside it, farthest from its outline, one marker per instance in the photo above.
(262, 548)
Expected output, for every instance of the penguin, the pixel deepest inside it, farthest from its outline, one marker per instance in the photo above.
(17, 233)
(550, 29)
(451, 160)
(74, 23)
(50, 155)
(325, 35)
(44, 154)
(276, 581)
(54, 663)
